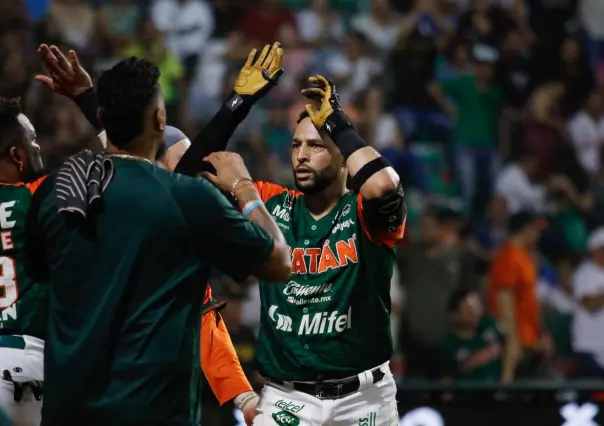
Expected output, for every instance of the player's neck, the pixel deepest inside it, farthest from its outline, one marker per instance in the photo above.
(320, 204)
(9, 174)
(136, 148)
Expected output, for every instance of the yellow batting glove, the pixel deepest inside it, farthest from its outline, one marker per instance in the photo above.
(257, 78)
(328, 115)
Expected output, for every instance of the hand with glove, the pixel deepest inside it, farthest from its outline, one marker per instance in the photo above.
(257, 77)
(328, 116)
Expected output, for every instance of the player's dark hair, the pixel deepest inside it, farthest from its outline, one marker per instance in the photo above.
(124, 93)
(9, 123)
(302, 116)
(457, 298)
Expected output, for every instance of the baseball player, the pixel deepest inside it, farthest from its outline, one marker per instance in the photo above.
(22, 301)
(324, 342)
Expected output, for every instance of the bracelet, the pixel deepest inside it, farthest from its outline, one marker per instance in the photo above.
(236, 184)
(244, 399)
(250, 207)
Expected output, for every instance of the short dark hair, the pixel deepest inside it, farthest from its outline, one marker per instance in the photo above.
(124, 92)
(10, 109)
(457, 298)
(302, 116)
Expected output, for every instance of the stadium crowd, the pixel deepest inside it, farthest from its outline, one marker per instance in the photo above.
(490, 110)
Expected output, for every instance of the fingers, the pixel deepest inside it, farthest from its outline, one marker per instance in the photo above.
(61, 66)
(311, 110)
(313, 93)
(209, 176)
(325, 83)
(275, 76)
(262, 56)
(74, 60)
(271, 55)
(250, 58)
(47, 81)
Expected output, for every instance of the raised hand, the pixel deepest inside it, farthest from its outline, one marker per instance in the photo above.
(328, 116)
(231, 173)
(258, 77)
(65, 74)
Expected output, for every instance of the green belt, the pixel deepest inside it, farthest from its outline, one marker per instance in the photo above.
(14, 342)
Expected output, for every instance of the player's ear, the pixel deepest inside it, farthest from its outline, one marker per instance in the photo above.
(160, 119)
(15, 156)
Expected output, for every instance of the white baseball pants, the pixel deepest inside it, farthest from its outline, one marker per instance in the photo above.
(372, 405)
(24, 365)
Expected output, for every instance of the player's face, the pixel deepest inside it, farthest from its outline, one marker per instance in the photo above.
(174, 154)
(28, 154)
(316, 161)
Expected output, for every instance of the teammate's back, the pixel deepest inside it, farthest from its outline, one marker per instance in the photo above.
(126, 296)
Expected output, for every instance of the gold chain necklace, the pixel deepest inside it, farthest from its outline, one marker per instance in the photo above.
(130, 157)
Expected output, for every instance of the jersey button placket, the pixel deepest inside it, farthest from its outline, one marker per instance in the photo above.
(306, 346)
(305, 310)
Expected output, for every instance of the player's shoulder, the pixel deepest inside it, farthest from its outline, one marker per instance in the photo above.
(271, 191)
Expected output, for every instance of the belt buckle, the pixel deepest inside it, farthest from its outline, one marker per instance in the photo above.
(319, 393)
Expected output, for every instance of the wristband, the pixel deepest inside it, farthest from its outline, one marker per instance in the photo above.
(89, 105)
(250, 207)
(367, 171)
(244, 399)
(348, 142)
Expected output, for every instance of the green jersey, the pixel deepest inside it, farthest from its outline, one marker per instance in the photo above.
(127, 288)
(332, 319)
(23, 303)
(476, 357)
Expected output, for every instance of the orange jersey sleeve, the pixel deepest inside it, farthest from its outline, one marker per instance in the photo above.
(387, 238)
(268, 190)
(35, 184)
(503, 273)
(219, 360)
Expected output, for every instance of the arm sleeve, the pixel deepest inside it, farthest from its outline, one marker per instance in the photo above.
(224, 239)
(219, 360)
(383, 221)
(214, 137)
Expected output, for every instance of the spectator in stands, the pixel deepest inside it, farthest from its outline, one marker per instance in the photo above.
(380, 26)
(119, 18)
(586, 131)
(188, 25)
(150, 45)
(574, 71)
(473, 347)
(263, 22)
(352, 69)
(455, 59)
(519, 184)
(75, 20)
(591, 14)
(319, 26)
(588, 290)
(379, 128)
(485, 23)
(431, 270)
(478, 104)
(488, 235)
(513, 301)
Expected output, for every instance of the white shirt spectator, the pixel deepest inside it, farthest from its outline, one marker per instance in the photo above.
(358, 74)
(311, 27)
(520, 193)
(587, 327)
(188, 26)
(591, 13)
(382, 37)
(386, 132)
(587, 135)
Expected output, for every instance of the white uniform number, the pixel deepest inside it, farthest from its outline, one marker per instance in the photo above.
(8, 282)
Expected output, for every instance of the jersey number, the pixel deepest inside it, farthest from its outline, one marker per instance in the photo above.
(8, 282)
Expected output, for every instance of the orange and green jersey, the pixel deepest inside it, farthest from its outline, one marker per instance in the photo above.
(23, 302)
(332, 319)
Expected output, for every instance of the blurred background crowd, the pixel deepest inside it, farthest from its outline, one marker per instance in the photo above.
(490, 110)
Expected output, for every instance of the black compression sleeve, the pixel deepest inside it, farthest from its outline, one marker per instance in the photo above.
(386, 213)
(89, 105)
(214, 137)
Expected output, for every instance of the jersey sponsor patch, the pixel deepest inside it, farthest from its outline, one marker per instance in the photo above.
(315, 323)
(289, 406)
(315, 260)
(302, 294)
(283, 418)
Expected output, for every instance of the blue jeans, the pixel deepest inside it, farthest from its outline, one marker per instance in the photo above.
(477, 169)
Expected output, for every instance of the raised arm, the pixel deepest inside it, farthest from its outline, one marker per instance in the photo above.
(383, 204)
(256, 79)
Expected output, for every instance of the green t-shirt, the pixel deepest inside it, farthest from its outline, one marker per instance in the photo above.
(475, 358)
(477, 122)
(332, 319)
(23, 303)
(126, 293)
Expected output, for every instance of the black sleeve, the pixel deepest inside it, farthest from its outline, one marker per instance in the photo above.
(34, 248)
(385, 213)
(214, 137)
(89, 105)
